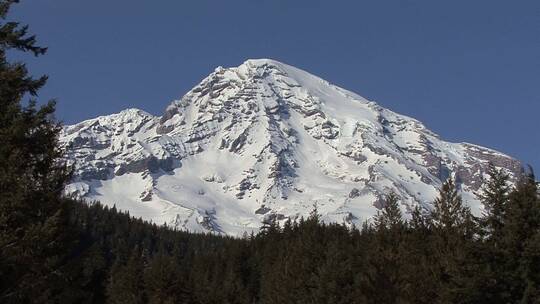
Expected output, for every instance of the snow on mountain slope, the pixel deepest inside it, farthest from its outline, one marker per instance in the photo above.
(262, 140)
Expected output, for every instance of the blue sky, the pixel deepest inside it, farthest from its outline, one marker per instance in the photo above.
(470, 70)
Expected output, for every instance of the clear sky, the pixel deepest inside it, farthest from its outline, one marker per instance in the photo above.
(468, 69)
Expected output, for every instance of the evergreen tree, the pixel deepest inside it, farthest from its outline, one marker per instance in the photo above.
(385, 257)
(390, 217)
(451, 247)
(418, 222)
(163, 280)
(449, 211)
(531, 266)
(494, 196)
(520, 241)
(126, 281)
(33, 216)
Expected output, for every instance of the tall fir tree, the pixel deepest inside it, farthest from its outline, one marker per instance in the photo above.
(33, 215)
(451, 247)
(126, 281)
(449, 212)
(520, 241)
(384, 270)
(163, 280)
(490, 250)
(494, 196)
(390, 216)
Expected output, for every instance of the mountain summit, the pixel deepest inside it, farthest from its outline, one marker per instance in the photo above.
(266, 140)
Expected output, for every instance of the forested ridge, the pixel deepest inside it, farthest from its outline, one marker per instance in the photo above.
(56, 249)
(104, 255)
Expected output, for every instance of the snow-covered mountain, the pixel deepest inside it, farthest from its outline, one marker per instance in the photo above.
(261, 140)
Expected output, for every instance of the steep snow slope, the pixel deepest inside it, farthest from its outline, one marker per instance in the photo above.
(261, 140)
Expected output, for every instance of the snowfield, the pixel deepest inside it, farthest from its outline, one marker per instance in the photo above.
(266, 140)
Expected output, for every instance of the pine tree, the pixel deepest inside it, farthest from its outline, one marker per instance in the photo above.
(33, 216)
(384, 269)
(163, 281)
(531, 266)
(491, 253)
(520, 241)
(494, 196)
(451, 246)
(126, 281)
(449, 211)
(390, 217)
(418, 221)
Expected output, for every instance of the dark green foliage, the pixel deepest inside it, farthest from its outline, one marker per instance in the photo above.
(126, 281)
(33, 217)
(415, 261)
(390, 216)
(451, 252)
(520, 240)
(449, 213)
(384, 258)
(494, 196)
(492, 252)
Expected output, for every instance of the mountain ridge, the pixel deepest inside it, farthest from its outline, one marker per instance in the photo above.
(264, 140)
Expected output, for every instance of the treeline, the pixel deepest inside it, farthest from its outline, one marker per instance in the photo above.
(59, 250)
(446, 256)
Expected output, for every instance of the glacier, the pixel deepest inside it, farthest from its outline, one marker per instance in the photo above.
(262, 141)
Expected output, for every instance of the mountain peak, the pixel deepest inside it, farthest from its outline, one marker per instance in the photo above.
(253, 68)
(261, 62)
(267, 140)
(134, 112)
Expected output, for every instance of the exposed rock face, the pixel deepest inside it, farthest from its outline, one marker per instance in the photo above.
(266, 140)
